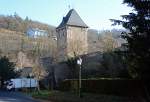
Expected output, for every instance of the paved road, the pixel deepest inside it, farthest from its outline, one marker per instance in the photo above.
(6, 96)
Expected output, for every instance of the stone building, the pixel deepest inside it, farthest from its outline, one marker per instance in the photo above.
(71, 36)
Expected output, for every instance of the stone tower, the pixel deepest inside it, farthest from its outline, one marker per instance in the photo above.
(71, 36)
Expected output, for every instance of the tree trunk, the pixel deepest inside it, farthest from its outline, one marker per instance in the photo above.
(38, 86)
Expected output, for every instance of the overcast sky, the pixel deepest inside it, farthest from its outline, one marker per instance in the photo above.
(95, 13)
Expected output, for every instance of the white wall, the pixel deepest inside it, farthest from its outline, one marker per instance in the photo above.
(24, 82)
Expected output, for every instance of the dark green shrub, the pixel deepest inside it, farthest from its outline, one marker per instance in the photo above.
(105, 86)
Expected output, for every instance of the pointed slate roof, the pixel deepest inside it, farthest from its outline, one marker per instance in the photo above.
(72, 19)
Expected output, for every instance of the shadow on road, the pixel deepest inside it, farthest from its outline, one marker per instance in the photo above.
(13, 96)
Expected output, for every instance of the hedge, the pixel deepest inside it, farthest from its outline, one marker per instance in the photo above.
(105, 86)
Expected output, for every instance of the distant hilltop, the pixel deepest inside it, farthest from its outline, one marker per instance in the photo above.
(16, 23)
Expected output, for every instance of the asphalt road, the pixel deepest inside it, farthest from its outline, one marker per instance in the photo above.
(6, 96)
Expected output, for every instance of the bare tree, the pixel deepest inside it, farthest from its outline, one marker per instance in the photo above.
(108, 43)
(38, 72)
(23, 60)
(76, 47)
(43, 47)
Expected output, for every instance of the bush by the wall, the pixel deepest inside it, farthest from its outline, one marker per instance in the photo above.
(105, 86)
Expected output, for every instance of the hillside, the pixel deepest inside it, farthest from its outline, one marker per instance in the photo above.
(96, 39)
(12, 43)
(16, 23)
(13, 36)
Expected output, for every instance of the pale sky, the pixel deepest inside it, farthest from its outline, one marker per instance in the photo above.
(95, 13)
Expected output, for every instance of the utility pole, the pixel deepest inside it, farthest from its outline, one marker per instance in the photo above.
(79, 62)
(54, 53)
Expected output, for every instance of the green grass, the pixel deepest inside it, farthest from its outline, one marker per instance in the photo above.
(43, 94)
(57, 96)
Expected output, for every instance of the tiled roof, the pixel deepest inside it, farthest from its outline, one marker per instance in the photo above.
(72, 19)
